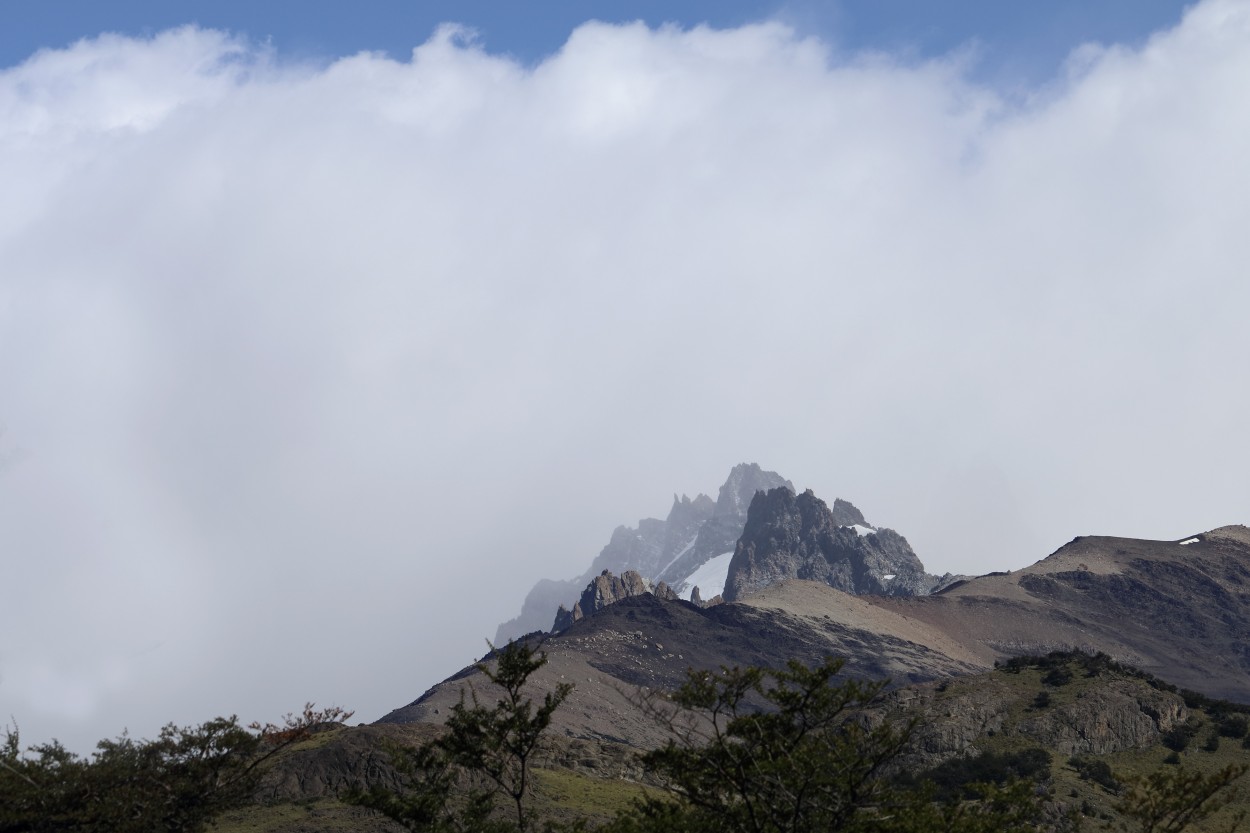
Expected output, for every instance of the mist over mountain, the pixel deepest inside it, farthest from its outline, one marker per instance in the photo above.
(699, 542)
(281, 335)
(668, 550)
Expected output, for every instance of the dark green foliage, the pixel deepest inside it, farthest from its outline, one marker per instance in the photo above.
(180, 781)
(1172, 798)
(956, 778)
(436, 799)
(990, 808)
(1042, 700)
(1234, 726)
(488, 752)
(1178, 737)
(1172, 758)
(1194, 699)
(760, 751)
(1057, 676)
(755, 750)
(801, 763)
(1092, 664)
(1097, 664)
(1096, 771)
(1212, 743)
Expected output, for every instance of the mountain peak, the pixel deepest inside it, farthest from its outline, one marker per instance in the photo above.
(745, 479)
(698, 534)
(790, 536)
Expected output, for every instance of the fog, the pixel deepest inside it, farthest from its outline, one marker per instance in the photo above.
(309, 371)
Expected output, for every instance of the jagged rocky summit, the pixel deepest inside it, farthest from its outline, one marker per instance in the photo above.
(606, 589)
(790, 536)
(670, 550)
(757, 532)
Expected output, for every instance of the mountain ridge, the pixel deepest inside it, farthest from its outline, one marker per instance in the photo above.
(1178, 610)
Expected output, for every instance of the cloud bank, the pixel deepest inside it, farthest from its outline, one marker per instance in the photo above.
(315, 369)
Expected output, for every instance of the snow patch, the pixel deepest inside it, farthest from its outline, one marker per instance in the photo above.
(861, 530)
(684, 550)
(710, 578)
(890, 576)
(1189, 541)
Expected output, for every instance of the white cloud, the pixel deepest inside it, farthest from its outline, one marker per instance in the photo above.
(316, 369)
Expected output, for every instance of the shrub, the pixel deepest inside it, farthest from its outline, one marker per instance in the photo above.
(805, 763)
(1234, 726)
(1172, 799)
(954, 778)
(488, 753)
(1178, 737)
(1057, 676)
(1099, 772)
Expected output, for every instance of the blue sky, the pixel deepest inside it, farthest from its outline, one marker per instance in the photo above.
(1017, 42)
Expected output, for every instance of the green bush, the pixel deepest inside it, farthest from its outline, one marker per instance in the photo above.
(1099, 772)
(1234, 726)
(954, 778)
(487, 755)
(1178, 737)
(1057, 676)
(788, 750)
(180, 781)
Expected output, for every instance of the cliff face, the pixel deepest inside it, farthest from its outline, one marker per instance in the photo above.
(790, 536)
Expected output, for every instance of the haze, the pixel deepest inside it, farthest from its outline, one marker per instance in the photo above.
(309, 370)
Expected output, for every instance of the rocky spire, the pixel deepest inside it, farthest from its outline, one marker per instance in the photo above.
(798, 536)
(606, 589)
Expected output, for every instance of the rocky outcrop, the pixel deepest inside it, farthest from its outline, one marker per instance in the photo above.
(696, 530)
(606, 589)
(1124, 714)
(1099, 715)
(696, 598)
(789, 536)
(845, 514)
(337, 760)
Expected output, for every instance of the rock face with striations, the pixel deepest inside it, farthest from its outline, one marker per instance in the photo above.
(695, 531)
(606, 589)
(650, 546)
(798, 536)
